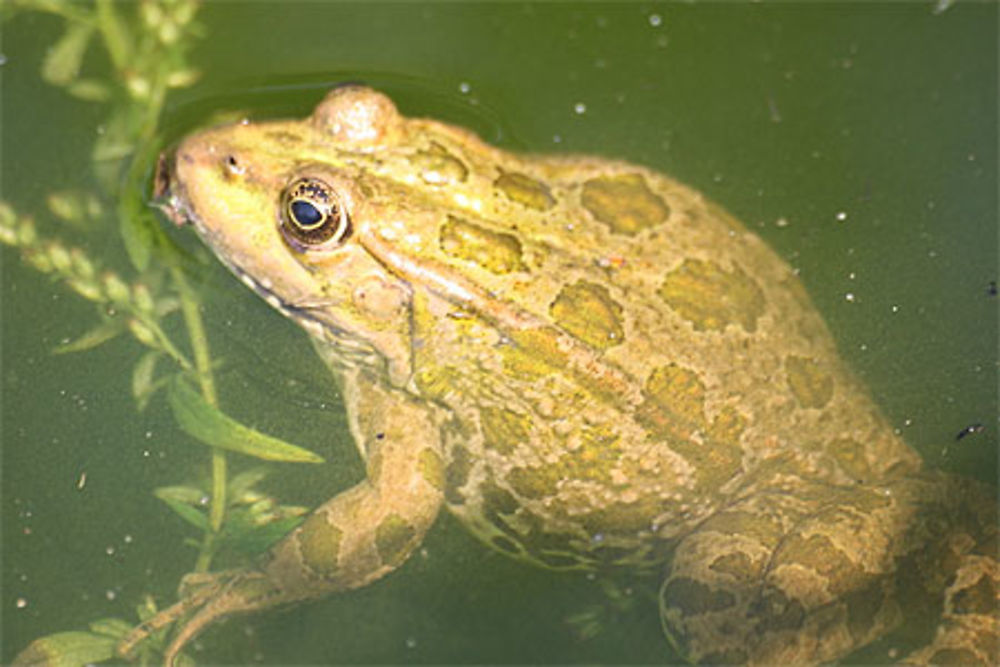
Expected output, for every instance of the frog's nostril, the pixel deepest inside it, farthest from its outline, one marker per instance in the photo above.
(233, 165)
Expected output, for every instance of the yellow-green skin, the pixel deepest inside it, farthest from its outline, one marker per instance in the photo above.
(592, 367)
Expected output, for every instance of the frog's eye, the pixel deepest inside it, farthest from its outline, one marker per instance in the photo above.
(312, 213)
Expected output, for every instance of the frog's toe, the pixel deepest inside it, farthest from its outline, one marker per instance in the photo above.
(204, 600)
(589, 622)
(618, 601)
(695, 617)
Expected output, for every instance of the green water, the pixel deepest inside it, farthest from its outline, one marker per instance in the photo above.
(789, 115)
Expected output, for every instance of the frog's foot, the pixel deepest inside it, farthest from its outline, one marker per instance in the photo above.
(589, 622)
(620, 600)
(214, 597)
(969, 633)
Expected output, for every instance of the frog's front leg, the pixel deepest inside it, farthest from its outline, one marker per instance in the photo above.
(801, 572)
(358, 536)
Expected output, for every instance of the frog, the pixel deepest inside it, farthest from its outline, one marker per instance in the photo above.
(594, 368)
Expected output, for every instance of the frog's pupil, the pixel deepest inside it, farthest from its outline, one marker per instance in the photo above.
(305, 214)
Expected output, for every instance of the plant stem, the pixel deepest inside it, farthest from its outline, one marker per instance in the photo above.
(190, 307)
(145, 133)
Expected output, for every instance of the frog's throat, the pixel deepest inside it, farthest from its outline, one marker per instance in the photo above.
(344, 348)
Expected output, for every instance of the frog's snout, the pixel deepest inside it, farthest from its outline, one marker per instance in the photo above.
(163, 185)
(161, 177)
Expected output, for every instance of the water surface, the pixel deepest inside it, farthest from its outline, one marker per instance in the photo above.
(858, 139)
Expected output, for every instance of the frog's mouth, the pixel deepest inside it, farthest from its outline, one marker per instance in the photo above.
(346, 349)
(165, 195)
(170, 197)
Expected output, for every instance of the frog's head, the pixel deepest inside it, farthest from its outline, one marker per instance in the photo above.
(284, 205)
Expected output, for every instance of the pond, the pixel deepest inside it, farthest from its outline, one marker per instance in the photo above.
(859, 140)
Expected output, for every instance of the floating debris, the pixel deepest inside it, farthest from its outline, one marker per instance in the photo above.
(941, 6)
(773, 111)
(969, 430)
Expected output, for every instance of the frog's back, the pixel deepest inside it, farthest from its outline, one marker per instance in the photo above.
(643, 360)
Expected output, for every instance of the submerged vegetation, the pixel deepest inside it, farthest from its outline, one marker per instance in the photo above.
(145, 44)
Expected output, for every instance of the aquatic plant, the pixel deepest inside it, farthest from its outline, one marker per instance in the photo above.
(146, 45)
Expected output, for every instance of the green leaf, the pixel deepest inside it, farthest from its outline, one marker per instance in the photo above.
(90, 90)
(144, 384)
(193, 516)
(243, 536)
(115, 628)
(146, 609)
(244, 482)
(166, 305)
(100, 334)
(67, 649)
(187, 502)
(137, 233)
(114, 143)
(191, 495)
(67, 205)
(62, 62)
(116, 35)
(209, 425)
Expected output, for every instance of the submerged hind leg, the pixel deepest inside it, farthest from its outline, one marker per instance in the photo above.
(812, 575)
